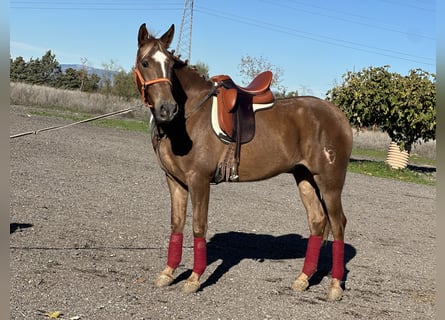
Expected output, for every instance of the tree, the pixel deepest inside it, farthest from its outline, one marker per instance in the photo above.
(44, 71)
(32, 74)
(123, 85)
(91, 83)
(109, 70)
(83, 73)
(250, 67)
(17, 69)
(50, 69)
(402, 106)
(202, 68)
(413, 116)
(284, 94)
(70, 79)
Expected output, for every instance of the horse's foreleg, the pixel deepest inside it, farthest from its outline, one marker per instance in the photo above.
(317, 222)
(199, 193)
(178, 200)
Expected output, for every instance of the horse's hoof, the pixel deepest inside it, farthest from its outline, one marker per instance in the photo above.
(190, 286)
(163, 280)
(300, 285)
(334, 293)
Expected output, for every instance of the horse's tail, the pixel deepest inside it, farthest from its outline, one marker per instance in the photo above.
(327, 229)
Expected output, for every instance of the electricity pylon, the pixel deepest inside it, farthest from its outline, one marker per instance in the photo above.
(184, 46)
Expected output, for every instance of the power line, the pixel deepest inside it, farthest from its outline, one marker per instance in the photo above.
(318, 13)
(176, 6)
(408, 5)
(105, 3)
(78, 5)
(316, 37)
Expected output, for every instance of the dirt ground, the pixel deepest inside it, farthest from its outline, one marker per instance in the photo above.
(89, 214)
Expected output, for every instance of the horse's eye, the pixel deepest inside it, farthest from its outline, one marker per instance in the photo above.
(145, 64)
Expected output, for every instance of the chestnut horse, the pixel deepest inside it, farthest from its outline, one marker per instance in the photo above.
(305, 136)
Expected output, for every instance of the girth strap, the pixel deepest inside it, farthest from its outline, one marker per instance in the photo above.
(227, 170)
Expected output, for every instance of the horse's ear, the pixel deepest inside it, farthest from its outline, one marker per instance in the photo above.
(168, 36)
(142, 35)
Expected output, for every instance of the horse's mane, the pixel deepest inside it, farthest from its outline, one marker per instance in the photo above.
(179, 63)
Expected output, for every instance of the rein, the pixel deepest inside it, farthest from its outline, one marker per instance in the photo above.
(200, 104)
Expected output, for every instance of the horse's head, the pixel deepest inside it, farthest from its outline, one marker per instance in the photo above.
(153, 70)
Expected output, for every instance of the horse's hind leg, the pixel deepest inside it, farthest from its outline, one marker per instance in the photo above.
(323, 212)
(337, 219)
(309, 194)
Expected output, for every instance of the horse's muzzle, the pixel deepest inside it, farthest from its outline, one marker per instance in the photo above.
(166, 112)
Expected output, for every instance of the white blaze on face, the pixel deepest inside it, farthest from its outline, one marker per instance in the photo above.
(161, 58)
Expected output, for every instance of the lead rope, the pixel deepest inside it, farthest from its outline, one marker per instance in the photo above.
(127, 110)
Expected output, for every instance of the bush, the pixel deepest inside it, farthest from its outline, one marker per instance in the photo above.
(402, 106)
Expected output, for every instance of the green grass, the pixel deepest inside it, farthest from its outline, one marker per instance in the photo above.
(375, 166)
(381, 155)
(382, 170)
(415, 159)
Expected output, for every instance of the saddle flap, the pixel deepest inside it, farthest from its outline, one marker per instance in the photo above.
(229, 99)
(226, 102)
(244, 120)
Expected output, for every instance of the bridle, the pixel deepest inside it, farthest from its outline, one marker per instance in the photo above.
(146, 83)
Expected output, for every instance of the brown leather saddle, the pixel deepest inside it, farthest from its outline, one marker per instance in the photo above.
(236, 116)
(235, 104)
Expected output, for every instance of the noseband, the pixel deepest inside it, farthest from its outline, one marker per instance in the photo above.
(146, 83)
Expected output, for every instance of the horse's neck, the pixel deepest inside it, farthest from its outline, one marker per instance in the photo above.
(193, 85)
(189, 90)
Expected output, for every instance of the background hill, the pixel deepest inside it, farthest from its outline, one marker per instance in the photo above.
(102, 73)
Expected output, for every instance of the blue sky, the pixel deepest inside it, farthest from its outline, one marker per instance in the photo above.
(314, 42)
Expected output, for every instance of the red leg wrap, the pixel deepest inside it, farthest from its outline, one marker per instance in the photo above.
(200, 255)
(338, 254)
(312, 254)
(175, 250)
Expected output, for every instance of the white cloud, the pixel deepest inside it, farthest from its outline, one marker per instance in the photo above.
(27, 51)
(26, 47)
